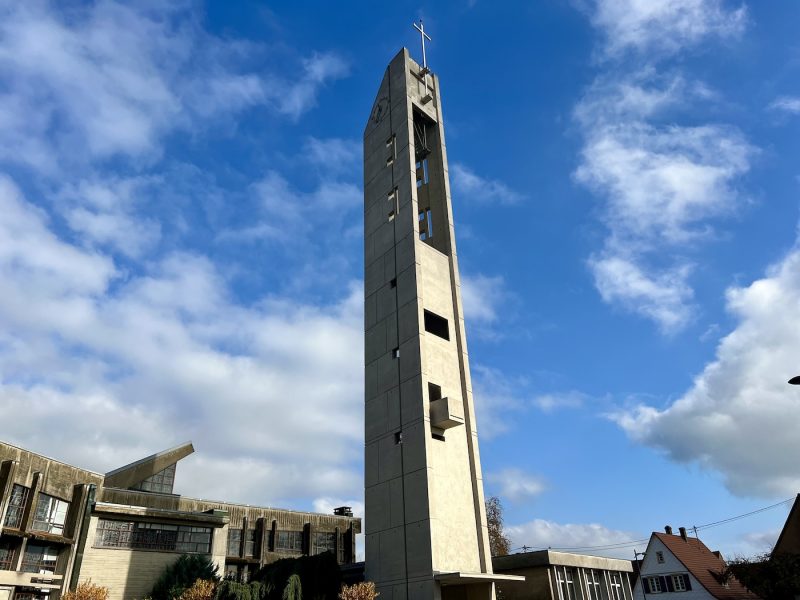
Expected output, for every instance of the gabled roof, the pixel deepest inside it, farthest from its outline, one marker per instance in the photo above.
(789, 539)
(706, 566)
(138, 471)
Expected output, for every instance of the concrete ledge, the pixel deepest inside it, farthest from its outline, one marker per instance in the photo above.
(459, 578)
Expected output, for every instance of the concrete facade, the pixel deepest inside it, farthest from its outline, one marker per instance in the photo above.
(426, 533)
(553, 575)
(61, 525)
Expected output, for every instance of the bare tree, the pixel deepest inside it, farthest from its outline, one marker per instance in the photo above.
(499, 544)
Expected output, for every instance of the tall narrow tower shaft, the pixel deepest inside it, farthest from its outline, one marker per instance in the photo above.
(426, 534)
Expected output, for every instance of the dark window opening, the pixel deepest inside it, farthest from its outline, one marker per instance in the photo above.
(7, 554)
(234, 542)
(251, 545)
(393, 283)
(423, 174)
(437, 325)
(434, 392)
(16, 506)
(438, 436)
(425, 224)
(398, 437)
(290, 542)
(396, 353)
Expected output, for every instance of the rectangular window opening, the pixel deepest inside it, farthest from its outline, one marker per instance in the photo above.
(437, 436)
(398, 437)
(393, 283)
(396, 353)
(437, 325)
(434, 392)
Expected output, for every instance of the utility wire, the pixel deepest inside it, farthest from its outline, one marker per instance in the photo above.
(625, 544)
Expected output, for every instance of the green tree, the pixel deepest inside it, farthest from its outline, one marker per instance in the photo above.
(770, 576)
(499, 544)
(181, 575)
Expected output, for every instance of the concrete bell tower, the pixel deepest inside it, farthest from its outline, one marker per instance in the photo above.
(426, 534)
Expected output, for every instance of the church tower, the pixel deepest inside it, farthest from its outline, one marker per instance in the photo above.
(426, 534)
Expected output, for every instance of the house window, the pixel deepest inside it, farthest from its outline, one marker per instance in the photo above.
(655, 585)
(251, 545)
(160, 483)
(234, 541)
(615, 586)
(565, 576)
(16, 506)
(50, 515)
(660, 557)
(680, 582)
(39, 558)
(324, 542)
(153, 536)
(7, 554)
(289, 541)
(593, 582)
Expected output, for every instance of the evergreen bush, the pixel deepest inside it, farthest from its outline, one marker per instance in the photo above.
(182, 574)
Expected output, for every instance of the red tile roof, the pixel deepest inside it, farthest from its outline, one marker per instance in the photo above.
(706, 566)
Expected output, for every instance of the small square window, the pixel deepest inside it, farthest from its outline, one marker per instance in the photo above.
(393, 283)
(660, 557)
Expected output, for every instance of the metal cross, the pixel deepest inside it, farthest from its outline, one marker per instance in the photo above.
(423, 36)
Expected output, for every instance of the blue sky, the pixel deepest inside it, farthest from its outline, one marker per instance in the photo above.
(181, 252)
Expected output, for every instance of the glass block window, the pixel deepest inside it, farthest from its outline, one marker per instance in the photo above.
(251, 545)
(162, 482)
(16, 506)
(7, 553)
(50, 514)
(39, 558)
(153, 536)
(324, 542)
(234, 541)
(289, 541)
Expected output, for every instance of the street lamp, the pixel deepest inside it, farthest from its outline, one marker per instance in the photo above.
(795, 380)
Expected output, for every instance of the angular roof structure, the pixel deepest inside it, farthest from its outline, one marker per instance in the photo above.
(706, 566)
(789, 539)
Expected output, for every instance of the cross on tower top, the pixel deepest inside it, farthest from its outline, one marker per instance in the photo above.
(423, 36)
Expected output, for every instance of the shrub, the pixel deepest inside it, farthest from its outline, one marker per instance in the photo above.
(293, 589)
(359, 591)
(182, 574)
(319, 577)
(233, 590)
(202, 589)
(87, 591)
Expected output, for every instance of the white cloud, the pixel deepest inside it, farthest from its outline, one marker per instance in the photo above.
(664, 27)
(103, 212)
(108, 79)
(789, 104)
(583, 538)
(551, 402)
(739, 416)
(662, 297)
(497, 400)
(661, 187)
(483, 297)
(478, 189)
(145, 361)
(515, 484)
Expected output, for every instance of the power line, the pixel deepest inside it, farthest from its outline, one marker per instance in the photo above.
(625, 544)
(742, 516)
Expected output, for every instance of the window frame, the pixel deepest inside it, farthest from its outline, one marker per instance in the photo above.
(52, 517)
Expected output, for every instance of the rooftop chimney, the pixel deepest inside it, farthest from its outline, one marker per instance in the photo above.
(683, 533)
(668, 529)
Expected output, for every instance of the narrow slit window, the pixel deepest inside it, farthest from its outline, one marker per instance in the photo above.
(437, 436)
(434, 392)
(396, 353)
(398, 437)
(425, 224)
(393, 283)
(437, 325)
(392, 202)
